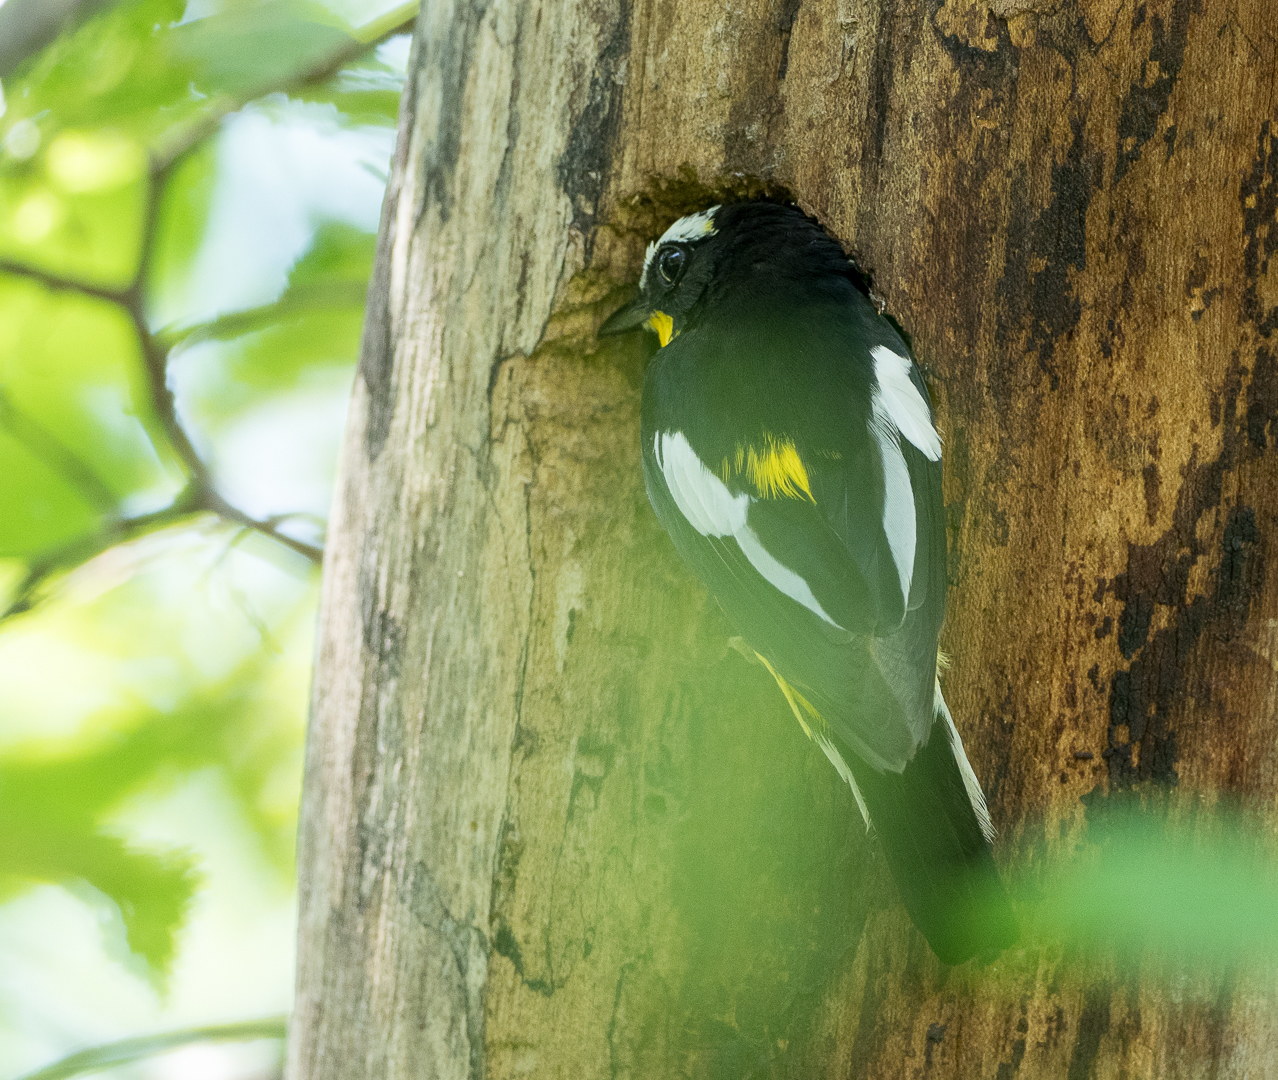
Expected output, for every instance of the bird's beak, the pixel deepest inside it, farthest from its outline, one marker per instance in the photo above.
(636, 314)
(631, 317)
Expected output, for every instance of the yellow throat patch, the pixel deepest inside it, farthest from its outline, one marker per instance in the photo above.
(775, 469)
(663, 324)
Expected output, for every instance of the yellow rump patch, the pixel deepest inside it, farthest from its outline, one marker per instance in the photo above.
(799, 705)
(775, 470)
(663, 324)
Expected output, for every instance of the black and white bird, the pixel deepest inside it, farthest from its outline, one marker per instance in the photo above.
(790, 451)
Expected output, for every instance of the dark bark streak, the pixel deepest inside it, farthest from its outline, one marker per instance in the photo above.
(1146, 103)
(786, 15)
(1057, 237)
(462, 938)
(377, 350)
(1145, 696)
(1093, 1025)
(584, 165)
(1258, 195)
(452, 59)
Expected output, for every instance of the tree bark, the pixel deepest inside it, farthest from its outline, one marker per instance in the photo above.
(554, 824)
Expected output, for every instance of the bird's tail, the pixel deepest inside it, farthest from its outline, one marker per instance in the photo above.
(935, 831)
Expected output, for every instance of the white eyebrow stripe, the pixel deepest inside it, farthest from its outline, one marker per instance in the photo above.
(691, 227)
(647, 259)
(687, 229)
(900, 401)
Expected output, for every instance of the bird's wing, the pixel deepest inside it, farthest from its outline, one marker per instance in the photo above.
(830, 561)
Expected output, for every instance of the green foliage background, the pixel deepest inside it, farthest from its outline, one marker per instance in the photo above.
(188, 199)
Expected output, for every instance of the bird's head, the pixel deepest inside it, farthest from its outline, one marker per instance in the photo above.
(734, 262)
(676, 270)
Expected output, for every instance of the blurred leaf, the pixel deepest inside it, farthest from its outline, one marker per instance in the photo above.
(39, 508)
(56, 810)
(339, 252)
(181, 225)
(115, 69)
(89, 234)
(1198, 889)
(51, 837)
(316, 324)
(27, 26)
(367, 90)
(220, 380)
(247, 49)
(156, 665)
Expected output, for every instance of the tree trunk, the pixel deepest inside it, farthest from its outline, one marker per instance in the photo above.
(554, 823)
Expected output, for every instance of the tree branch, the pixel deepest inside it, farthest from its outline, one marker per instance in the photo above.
(127, 1050)
(192, 502)
(58, 283)
(84, 548)
(266, 526)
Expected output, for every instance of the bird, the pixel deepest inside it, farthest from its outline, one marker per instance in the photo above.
(791, 453)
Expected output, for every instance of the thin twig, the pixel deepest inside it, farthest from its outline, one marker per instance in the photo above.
(296, 301)
(84, 548)
(58, 283)
(192, 503)
(266, 526)
(127, 1050)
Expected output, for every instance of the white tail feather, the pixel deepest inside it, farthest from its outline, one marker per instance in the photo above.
(973, 786)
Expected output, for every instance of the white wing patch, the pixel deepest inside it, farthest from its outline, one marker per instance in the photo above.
(713, 510)
(685, 230)
(899, 399)
(970, 784)
(898, 500)
(701, 496)
(898, 409)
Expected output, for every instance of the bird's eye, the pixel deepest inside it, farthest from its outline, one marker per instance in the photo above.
(670, 264)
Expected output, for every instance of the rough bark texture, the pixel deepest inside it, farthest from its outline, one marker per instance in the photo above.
(554, 825)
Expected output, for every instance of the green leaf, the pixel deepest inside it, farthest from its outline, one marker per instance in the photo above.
(50, 836)
(339, 252)
(64, 226)
(366, 91)
(182, 222)
(57, 807)
(247, 49)
(115, 69)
